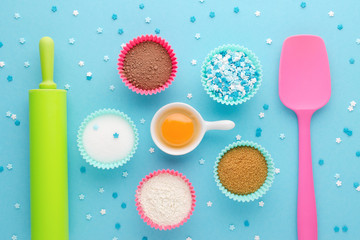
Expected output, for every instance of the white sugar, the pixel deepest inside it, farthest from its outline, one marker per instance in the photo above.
(165, 199)
(99, 141)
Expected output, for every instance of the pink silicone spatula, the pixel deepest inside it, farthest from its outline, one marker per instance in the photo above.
(304, 87)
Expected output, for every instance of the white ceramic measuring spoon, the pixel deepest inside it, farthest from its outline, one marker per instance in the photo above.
(204, 127)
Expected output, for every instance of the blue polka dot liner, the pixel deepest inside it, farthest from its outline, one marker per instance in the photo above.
(231, 74)
(97, 143)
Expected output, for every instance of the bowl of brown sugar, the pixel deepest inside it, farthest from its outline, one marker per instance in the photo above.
(244, 171)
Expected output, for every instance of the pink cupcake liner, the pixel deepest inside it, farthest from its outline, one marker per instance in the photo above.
(136, 41)
(141, 211)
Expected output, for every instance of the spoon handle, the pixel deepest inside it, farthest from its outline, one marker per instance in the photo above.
(306, 208)
(220, 125)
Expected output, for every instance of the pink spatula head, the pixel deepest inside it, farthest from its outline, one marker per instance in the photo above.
(304, 87)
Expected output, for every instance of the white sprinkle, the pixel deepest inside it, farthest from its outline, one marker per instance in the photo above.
(88, 216)
(142, 121)
(277, 170)
(13, 116)
(358, 189)
(89, 74)
(9, 166)
(350, 108)
(261, 115)
(99, 30)
(14, 237)
(81, 196)
(148, 20)
(81, 63)
(338, 140)
(269, 41)
(106, 58)
(282, 136)
(17, 15)
(331, 14)
(232, 227)
(112, 87)
(125, 174)
(189, 96)
(17, 205)
(193, 62)
(71, 41)
(357, 41)
(197, 36)
(261, 204)
(238, 137)
(26, 64)
(2, 64)
(8, 114)
(209, 203)
(338, 183)
(101, 190)
(103, 211)
(201, 161)
(257, 13)
(75, 13)
(337, 176)
(67, 86)
(151, 150)
(257, 237)
(353, 103)
(22, 40)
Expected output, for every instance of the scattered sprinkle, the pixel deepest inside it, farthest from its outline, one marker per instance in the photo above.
(22, 41)
(277, 170)
(125, 174)
(99, 30)
(141, 6)
(338, 183)
(81, 196)
(331, 14)
(9, 166)
(340, 27)
(89, 76)
(345, 228)
(81, 63)
(83, 169)
(192, 19)
(8, 114)
(238, 137)
(212, 14)
(120, 31)
(337, 176)
(282, 136)
(353, 103)
(350, 108)
(17, 16)
(347, 131)
(209, 204)
(1, 44)
(13, 116)
(201, 161)
(1, 169)
(17, 123)
(357, 153)
(336, 229)
(71, 41)
(338, 140)
(321, 162)
(17, 205)
(142, 121)
(103, 211)
(117, 226)
(257, 237)
(232, 227)
(261, 204)
(246, 223)
(114, 16)
(88, 217)
(115, 195)
(303, 5)
(106, 58)
(151, 150)
(9, 78)
(112, 87)
(67, 86)
(258, 132)
(75, 13)
(116, 135)
(14, 237)
(236, 9)
(2, 64)
(261, 115)
(26, 64)
(351, 61)
(268, 41)
(53, 8)
(189, 96)
(257, 13)
(193, 62)
(157, 31)
(147, 20)
(356, 184)
(197, 36)
(357, 41)
(101, 190)
(266, 107)
(123, 205)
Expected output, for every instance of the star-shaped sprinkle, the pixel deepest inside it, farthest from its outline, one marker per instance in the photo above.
(2, 64)
(106, 58)
(22, 40)
(101, 190)
(212, 14)
(261, 204)
(337, 176)
(238, 137)
(192, 19)
(257, 237)
(232, 227)
(26, 64)
(114, 17)
(53, 8)
(268, 41)
(103, 211)
(189, 96)
(340, 26)
(257, 13)
(99, 30)
(88, 216)
(338, 140)
(125, 174)
(197, 36)
(357, 41)
(331, 13)
(201, 161)
(282, 136)
(17, 205)
(353, 103)
(120, 31)
(115, 238)
(8, 114)
(141, 6)
(338, 183)
(67, 86)
(9, 166)
(358, 189)
(188, 238)
(157, 31)
(147, 20)
(142, 121)
(193, 62)
(236, 9)
(81, 196)
(277, 170)
(17, 15)
(75, 13)
(71, 41)
(201, 1)
(112, 87)
(123, 45)
(303, 5)
(13, 116)
(14, 237)
(81, 63)
(151, 150)
(89, 75)
(261, 115)
(350, 108)
(209, 204)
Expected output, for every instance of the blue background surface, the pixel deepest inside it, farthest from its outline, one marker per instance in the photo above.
(336, 206)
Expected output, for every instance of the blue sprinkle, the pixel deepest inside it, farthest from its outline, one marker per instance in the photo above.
(1, 169)
(258, 132)
(356, 184)
(347, 131)
(95, 127)
(88, 78)
(116, 135)
(120, 31)
(351, 61)
(321, 162)
(236, 9)
(114, 16)
(192, 19)
(9, 78)
(212, 14)
(141, 6)
(266, 107)
(117, 226)
(123, 205)
(157, 31)
(336, 229)
(357, 153)
(345, 228)
(303, 5)
(340, 26)
(144, 238)
(114, 195)
(1, 44)
(17, 122)
(83, 169)
(54, 8)
(246, 223)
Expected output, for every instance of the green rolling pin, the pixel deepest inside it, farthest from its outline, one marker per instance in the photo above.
(48, 154)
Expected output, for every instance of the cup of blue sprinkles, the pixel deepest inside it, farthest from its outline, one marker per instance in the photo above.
(231, 74)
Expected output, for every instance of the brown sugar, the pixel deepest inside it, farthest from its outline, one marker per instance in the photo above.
(147, 65)
(242, 170)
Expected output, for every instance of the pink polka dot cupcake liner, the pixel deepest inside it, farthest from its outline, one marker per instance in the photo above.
(141, 210)
(133, 43)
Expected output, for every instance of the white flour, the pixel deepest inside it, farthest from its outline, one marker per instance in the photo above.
(165, 199)
(99, 141)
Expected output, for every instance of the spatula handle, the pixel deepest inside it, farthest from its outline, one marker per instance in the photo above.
(306, 209)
